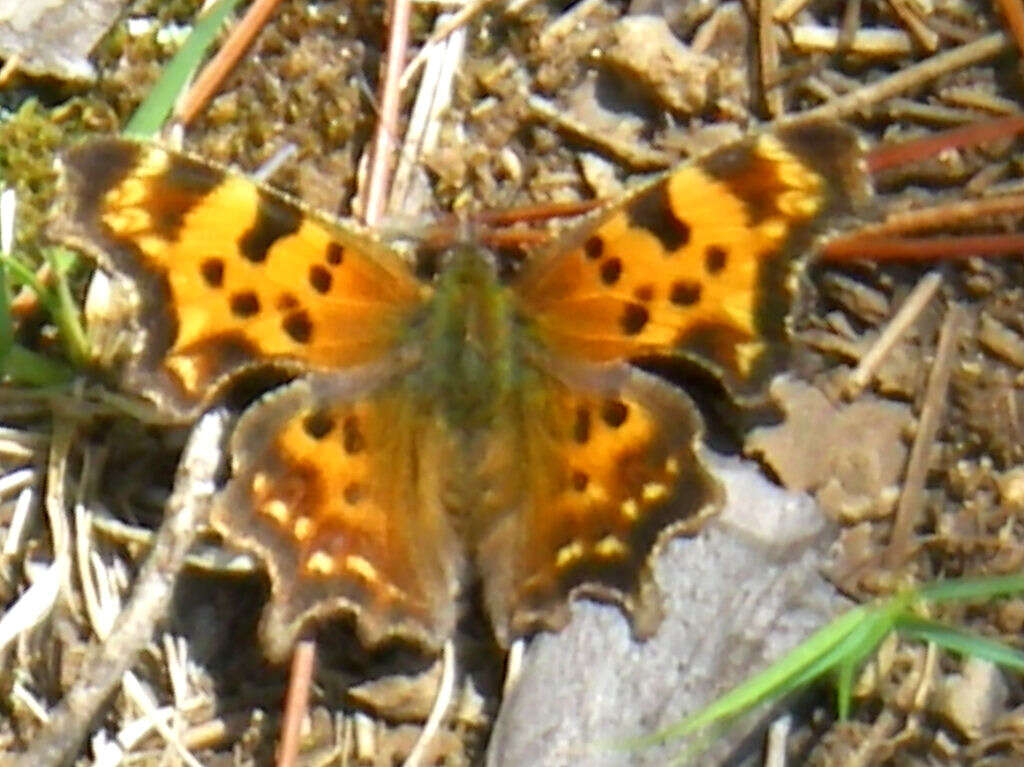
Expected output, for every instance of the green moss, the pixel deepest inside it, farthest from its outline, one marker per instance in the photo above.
(29, 141)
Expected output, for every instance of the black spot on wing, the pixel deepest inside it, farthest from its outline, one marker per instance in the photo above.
(176, 191)
(212, 271)
(298, 326)
(748, 175)
(634, 318)
(593, 248)
(652, 211)
(318, 424)
(274, 219)
(191, 177)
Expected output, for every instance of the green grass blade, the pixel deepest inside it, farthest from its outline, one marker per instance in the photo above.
(59, 303)
(149, 118)
(66, 314)
(972, 589)
(843, 645)
(847, 654)
(29, 368)
(23, 275)
(764, 685)
(962, 642)
(6, 321)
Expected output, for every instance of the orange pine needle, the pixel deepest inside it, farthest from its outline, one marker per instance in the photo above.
(944, 215)
(296, 701)
(221, 64)
(1014, 12)
(390, 99)
(905, 152)
(858, 247)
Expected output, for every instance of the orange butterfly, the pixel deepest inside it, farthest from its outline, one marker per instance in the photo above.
(465, 426)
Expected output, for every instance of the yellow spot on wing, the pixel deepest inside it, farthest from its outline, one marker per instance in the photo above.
(361, 566)
(260, 483)
(186, 370)
(654, 491)
(277, 509)
(569, 554)
(320, 562)
(303, 528)
(630, 509)
(128, 221)
(611, 547)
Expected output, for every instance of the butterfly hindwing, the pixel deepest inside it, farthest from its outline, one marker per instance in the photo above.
(228, 274)
(336, 485)
(606, 467)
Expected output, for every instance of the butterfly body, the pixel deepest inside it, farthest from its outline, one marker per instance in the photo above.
(470, 340)
(462, 428)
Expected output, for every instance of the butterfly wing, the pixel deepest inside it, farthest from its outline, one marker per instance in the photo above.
(604, 466)
(228, 274)
(336, 485)
(698, 262)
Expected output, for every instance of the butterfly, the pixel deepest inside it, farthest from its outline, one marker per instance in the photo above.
(474, 425)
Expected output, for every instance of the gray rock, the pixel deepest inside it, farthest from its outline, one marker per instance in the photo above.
(55, 37)
(737, 596)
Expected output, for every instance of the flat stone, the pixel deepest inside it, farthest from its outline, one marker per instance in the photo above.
(646, 50)
(55, 37)
(739, 595)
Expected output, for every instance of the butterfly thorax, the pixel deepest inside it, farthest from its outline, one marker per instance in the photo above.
(469, 350)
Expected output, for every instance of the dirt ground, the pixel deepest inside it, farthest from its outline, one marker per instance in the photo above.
(556, 102)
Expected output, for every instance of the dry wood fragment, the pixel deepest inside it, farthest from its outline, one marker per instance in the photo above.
(188, 505)
(912, 499)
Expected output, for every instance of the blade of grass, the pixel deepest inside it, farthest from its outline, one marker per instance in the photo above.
(843, 645)
(8, 210)
(972, 589)
(67, 316)
(6, 321)
(149, 118)
(961, 642)
(863, 642)
(23, 275)
(762, 685)
(846, 655)
(58, 302)
(29, 368)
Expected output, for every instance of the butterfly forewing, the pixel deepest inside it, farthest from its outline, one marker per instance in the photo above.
(228, 274)
(698, 262)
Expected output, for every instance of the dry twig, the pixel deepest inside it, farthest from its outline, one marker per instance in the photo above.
(910, 310)
(906, 79)
(213, 74)
(908, 512)
(187, 506)
(296, 702)
(390, 99)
